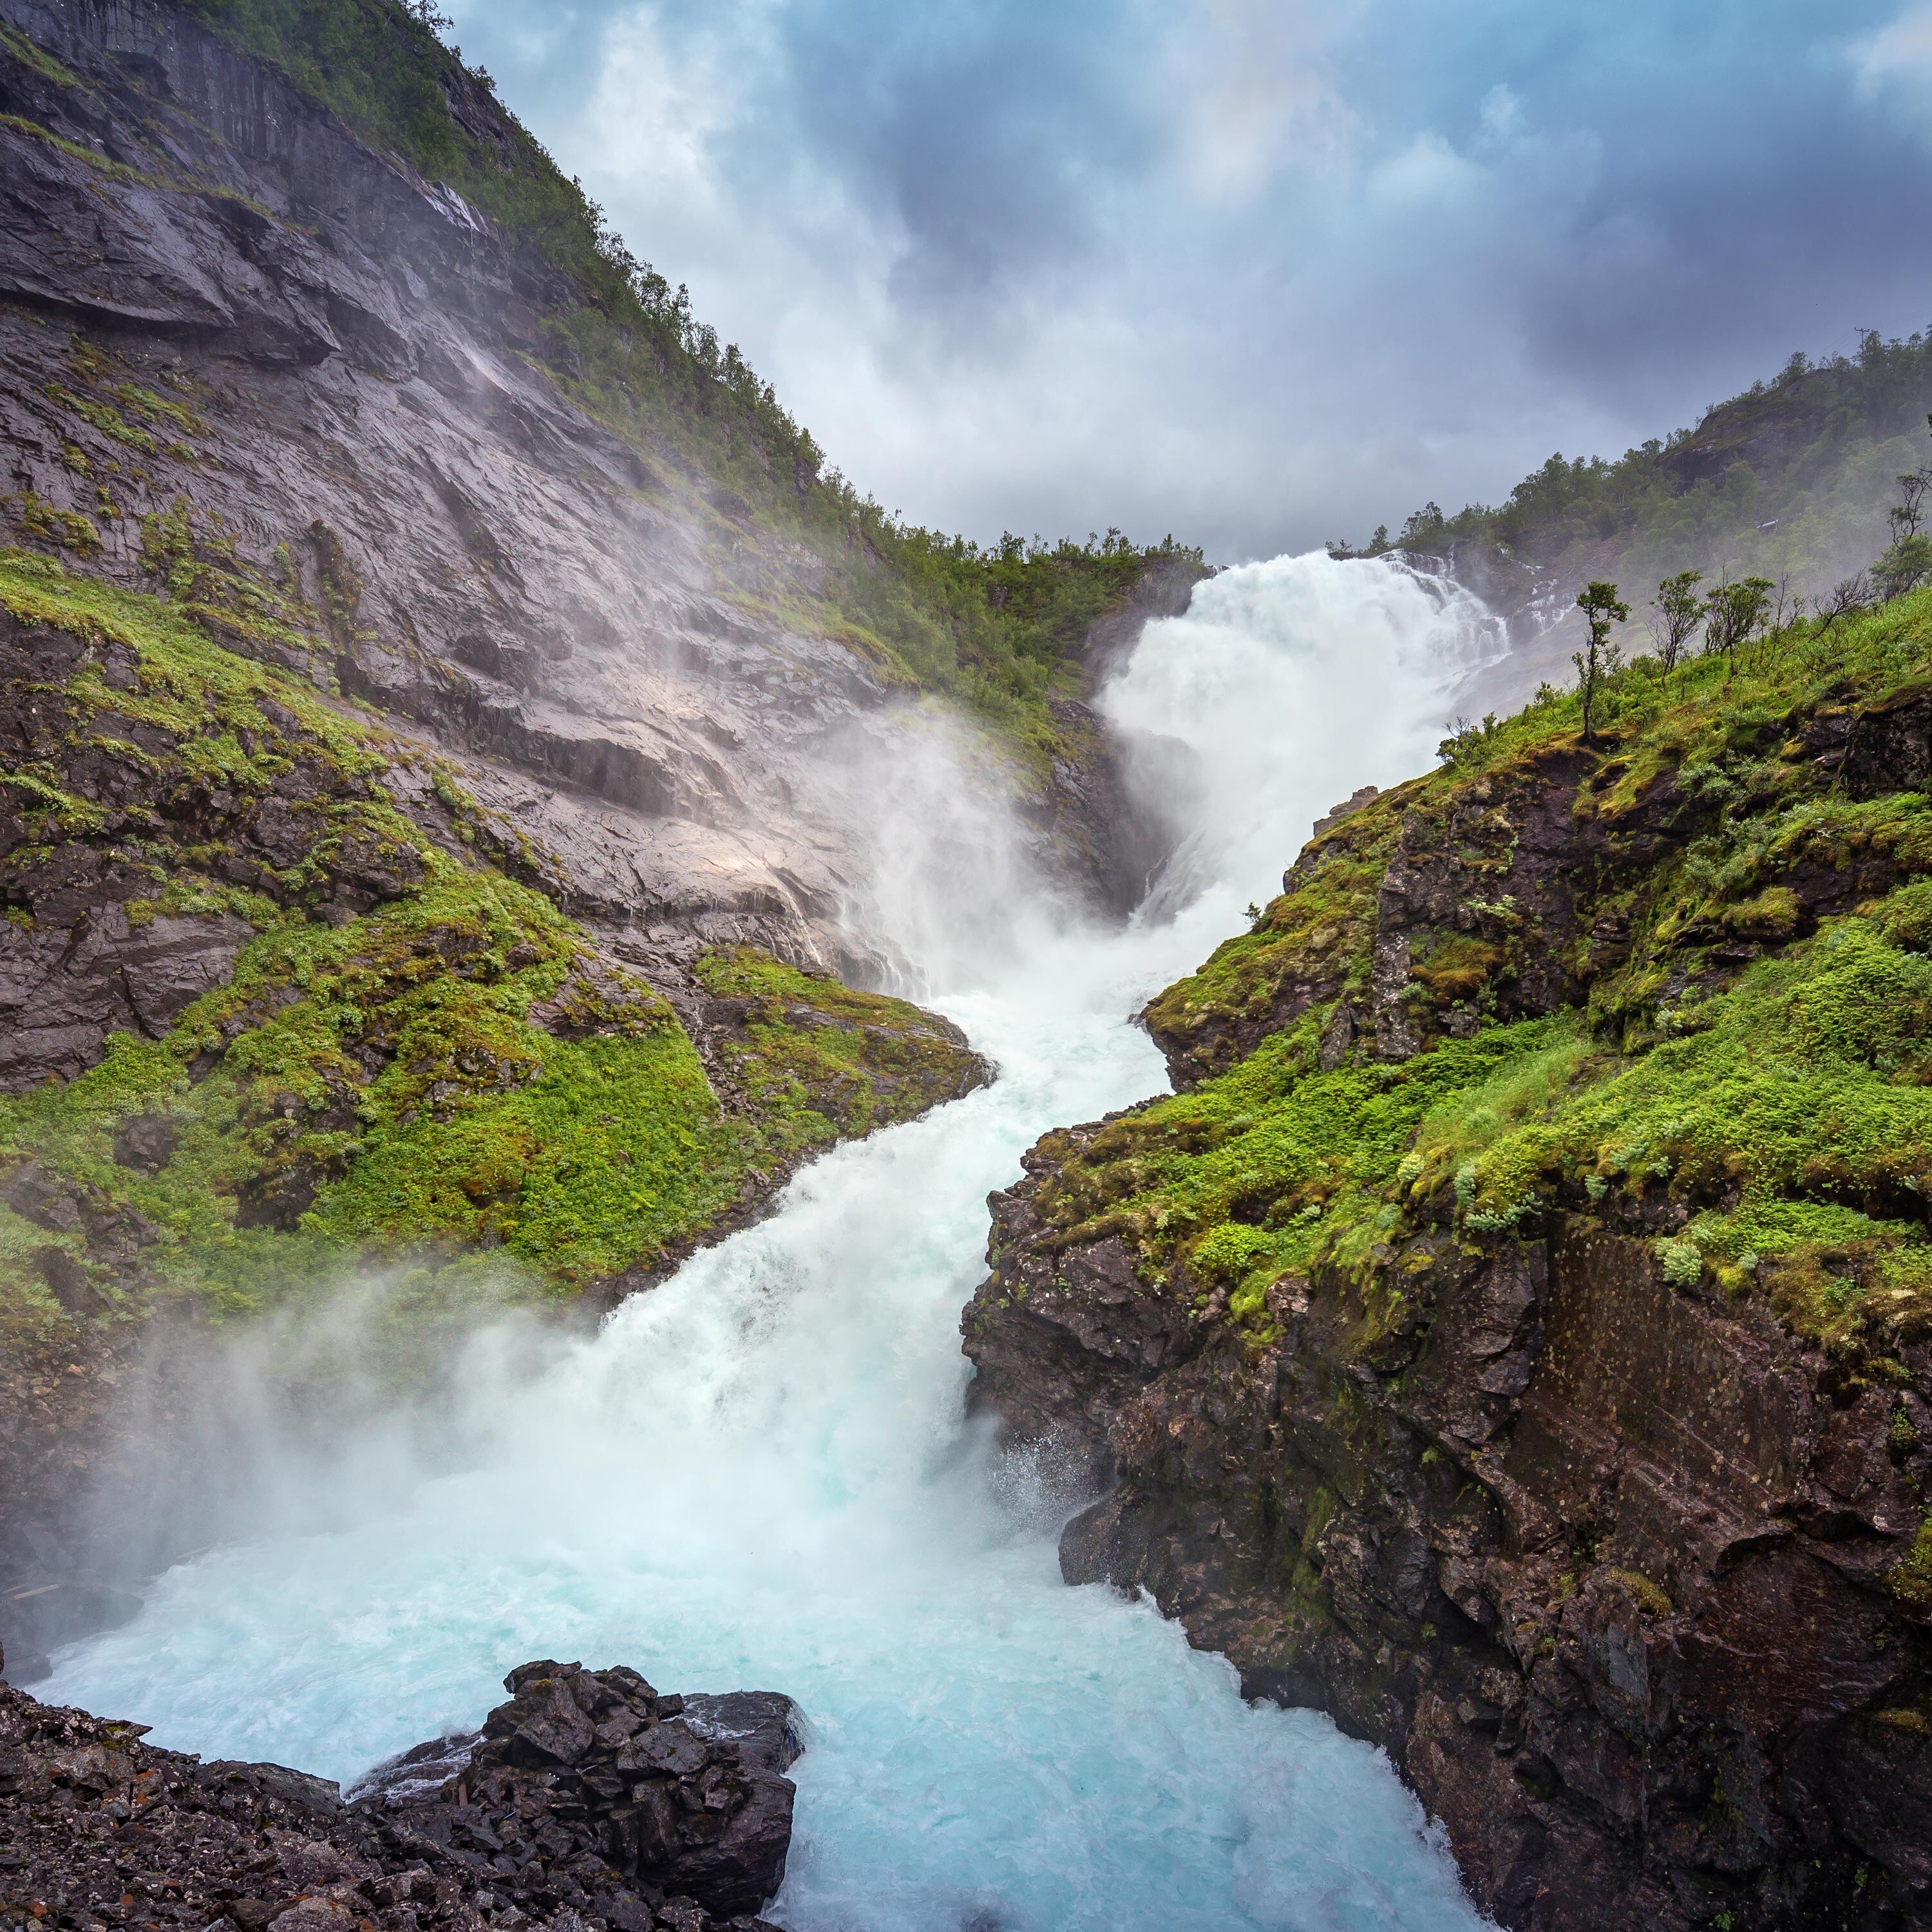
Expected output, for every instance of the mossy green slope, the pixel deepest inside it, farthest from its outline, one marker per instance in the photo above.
(417, 1058)
(1744, 1072)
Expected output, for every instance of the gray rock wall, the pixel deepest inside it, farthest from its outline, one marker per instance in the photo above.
(212, 294)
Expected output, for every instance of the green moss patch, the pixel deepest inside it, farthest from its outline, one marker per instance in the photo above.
(1753, 1076)
(1314, 941)
(816, 1060)
(460, 1071)
(1276, 1167)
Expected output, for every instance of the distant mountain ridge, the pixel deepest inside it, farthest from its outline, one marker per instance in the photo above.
(1789, 480)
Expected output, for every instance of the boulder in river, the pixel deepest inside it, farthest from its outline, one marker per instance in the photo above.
(684, 1795)
(586, 1804)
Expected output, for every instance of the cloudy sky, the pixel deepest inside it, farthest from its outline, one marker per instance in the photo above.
(1257, 271)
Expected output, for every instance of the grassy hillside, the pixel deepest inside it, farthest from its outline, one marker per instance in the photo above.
(991, 626)
(1790, 481)
(436, 1063)
(1728, 1046)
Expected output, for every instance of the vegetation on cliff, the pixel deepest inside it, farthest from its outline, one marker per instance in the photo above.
(413, 1054)
(1789, 481)
(1731, 1031)
(1515, 1336)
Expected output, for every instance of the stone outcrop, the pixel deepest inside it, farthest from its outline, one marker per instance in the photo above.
(1623, 1562)
(1601, 1565)
(588, 1803)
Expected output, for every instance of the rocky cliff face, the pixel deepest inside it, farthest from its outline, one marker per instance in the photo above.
(427, 815)
(248, 361)
(1511, 1338)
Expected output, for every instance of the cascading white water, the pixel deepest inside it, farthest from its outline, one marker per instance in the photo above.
(757, 1475)
(1292, 683)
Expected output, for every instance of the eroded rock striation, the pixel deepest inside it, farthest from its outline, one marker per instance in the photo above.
(1512, 1339)
(588, 1802)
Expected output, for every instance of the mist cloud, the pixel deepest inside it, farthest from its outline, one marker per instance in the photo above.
(1255, 272)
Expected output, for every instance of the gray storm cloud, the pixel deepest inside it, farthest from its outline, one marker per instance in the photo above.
(1257, 274)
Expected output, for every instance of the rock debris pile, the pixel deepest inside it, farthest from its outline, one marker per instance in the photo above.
(588, 1803)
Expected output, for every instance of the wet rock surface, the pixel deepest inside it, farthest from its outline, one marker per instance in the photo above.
(586, 1803)
(231, 332)
(60, 1392)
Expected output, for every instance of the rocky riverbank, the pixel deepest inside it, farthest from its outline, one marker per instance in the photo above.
(588, 1803)
(1513, 1337)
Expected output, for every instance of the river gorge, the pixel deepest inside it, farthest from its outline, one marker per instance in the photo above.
(760, 1473)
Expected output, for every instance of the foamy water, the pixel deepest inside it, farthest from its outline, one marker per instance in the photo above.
(758, 1475)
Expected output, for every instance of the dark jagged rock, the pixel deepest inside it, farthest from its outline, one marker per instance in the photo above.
(686, 1796)
(587, 1804)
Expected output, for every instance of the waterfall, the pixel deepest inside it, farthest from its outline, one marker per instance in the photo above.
(758, 1476)
(1284, 687)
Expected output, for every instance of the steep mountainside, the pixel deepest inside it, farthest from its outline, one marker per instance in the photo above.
(438, 699)
(1515, 1335)
(260, 366)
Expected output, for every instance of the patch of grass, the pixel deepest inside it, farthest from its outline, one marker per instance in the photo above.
(103, 416)
(340, 1095)
(1804, 1082)
(66, 530)
(112, 170)
(818, 1060)
(1771, 1072)
(1276, 1167)
(31, 54)
(1910, 1578)
(1652, 1598)
(1312, 942)
(459, 1068)
(231, 718)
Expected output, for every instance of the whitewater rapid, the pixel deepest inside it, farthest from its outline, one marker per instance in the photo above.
(757, 1476)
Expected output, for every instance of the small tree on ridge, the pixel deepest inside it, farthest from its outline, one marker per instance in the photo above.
(1733, 614)
(1848, 596)
(1601, 608)
(1676, 615)
(1907, 561)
